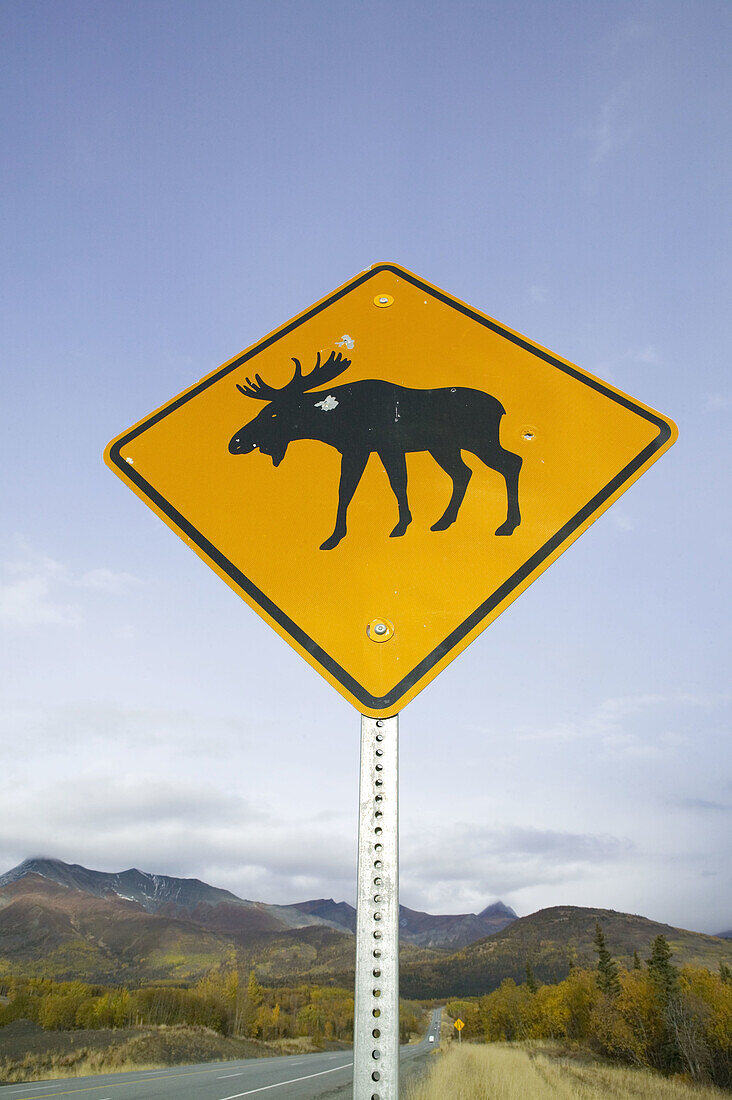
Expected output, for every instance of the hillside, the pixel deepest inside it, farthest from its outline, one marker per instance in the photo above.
(552, 940)
(47, 930)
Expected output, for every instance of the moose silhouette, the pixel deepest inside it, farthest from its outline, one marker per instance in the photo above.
(372, 415)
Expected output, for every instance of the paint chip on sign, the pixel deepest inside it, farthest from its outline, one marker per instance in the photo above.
(327, 404)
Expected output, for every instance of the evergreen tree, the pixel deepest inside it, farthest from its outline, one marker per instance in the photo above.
(637, 965)
(664, 975)
(530, 979)
(607, 971)
(665, 979)
(725, 972)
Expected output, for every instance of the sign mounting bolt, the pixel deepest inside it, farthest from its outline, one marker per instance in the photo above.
(383, 300)
(380, 630)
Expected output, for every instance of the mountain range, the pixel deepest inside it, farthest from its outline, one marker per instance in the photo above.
(219, 910)
(66, 921)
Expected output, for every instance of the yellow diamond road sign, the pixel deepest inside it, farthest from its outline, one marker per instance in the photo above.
(383, 475)
(459, 1025)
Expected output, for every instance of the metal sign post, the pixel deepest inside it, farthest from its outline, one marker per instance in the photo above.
(376, 1019)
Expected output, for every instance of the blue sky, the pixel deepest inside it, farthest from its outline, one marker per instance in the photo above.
(181, 178)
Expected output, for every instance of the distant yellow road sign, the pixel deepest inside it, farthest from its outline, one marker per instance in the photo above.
(436, 463)
(459, 1025)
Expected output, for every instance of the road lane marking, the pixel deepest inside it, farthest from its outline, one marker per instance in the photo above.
(225, 1075)
(50, 1085)
(292, 1081)
(26, 1087)
(129, 1080)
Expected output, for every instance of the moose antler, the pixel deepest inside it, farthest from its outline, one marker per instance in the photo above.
(319, 375)
(259, 389)
(299, 383)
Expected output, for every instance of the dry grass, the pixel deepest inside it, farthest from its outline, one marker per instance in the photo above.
(27, 1053)
(501, 1071)
(83, 1063)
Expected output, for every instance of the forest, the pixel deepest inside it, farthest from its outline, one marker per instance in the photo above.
(653, 1015)
(225, 1000)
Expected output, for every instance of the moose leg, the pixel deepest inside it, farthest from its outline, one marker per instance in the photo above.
(395, 464)
(461, 474)
(508, 465)
(353, 464)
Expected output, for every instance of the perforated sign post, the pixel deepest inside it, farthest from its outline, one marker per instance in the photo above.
(417, 465)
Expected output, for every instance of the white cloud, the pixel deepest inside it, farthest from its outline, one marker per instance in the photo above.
(105, 580)
(621, 519)
(719, 402)
(29, 602)
(164, 795)
(137, 725)
(36, 590)
(626, 34)
(615, 122)
(172, 826)
(622, 725)
(647, 354)
(617, 119)
(125, 633)
(201, 795)
(471, 864)
(615, 369)
(168, 825)
(189, 793)
(704, 805)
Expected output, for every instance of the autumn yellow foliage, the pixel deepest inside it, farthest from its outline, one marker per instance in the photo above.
(668, 1020)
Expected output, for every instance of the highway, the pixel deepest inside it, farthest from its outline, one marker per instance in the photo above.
(297, 1077)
